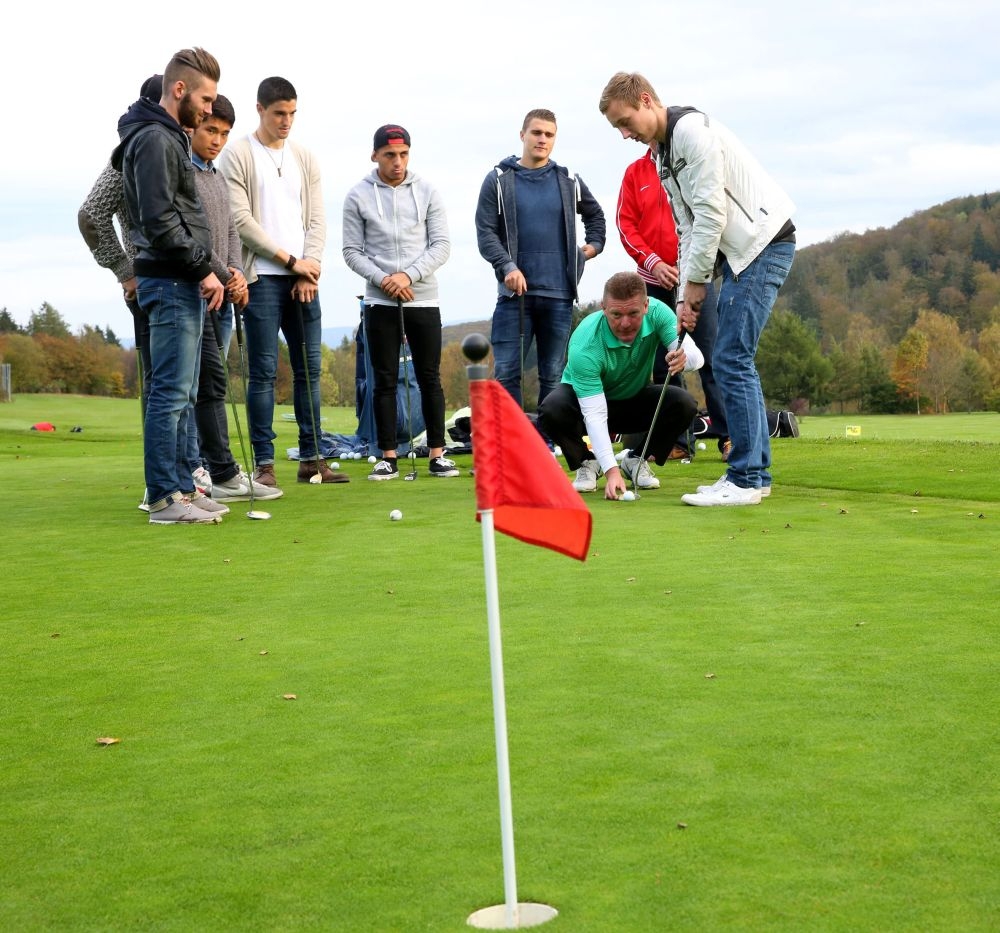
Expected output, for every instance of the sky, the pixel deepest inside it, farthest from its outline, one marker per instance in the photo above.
(865, 112)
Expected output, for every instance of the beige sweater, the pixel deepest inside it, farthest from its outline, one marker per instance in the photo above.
(237, 165)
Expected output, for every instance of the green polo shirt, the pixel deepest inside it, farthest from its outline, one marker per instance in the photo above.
(597, 361)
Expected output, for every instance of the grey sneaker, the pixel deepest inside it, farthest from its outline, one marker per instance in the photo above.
(586, 476)
(208, 504)
(182, 512)
(639, 472)
(237, 489)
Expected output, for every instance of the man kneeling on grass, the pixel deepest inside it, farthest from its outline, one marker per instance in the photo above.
(606, 389)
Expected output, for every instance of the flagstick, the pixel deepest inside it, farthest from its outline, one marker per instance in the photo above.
(510, 915)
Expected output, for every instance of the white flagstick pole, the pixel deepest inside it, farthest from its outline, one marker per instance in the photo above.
(510, 915)
(499, 719)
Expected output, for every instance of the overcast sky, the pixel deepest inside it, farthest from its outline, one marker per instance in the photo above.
(864, 111)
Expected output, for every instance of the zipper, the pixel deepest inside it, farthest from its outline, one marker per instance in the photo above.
(735, 201)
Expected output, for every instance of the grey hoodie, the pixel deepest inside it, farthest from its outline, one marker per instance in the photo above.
(401, 229)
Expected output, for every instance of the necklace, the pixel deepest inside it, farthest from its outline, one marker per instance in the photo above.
(277, 165)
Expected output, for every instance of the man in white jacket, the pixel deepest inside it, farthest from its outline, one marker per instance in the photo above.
(735, 221)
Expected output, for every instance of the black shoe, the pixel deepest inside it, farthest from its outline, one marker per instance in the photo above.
(442, 466)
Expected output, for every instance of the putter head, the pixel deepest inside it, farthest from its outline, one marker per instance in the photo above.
(258, 515)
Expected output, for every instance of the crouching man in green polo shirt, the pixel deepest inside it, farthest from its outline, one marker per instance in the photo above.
(606, 389)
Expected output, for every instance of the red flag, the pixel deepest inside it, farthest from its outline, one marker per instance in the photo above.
(519, 479)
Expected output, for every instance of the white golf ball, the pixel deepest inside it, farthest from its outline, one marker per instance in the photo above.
(334, 465)
(628, 496)
(701, 445)
(395, 515)
(372, 459)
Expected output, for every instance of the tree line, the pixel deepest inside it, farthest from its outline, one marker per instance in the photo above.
(900, 319)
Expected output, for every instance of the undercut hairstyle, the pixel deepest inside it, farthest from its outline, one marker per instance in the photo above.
(622, 286)
(191, 66)
(271, 90)
(547, 115)
(223, 110)
(627, 87)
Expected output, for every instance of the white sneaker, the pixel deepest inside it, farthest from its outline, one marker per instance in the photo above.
(586, 476)
(724, 493)
(644, 478)
(765, 491)
(202, 481)
(208, 504)
(714, 485)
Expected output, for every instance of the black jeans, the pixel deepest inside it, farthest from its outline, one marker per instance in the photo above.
(561, 420)
(423, 337)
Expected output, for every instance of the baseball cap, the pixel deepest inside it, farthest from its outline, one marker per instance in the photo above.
(391, 135)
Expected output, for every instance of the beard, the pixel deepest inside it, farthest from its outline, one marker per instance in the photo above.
(188, 113)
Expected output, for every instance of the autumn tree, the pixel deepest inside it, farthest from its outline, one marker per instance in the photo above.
(945, 351)
(910, 362)
(47, 320)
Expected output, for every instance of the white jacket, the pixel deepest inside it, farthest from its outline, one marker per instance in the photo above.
(723, 199)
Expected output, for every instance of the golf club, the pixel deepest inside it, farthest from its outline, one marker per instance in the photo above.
(312, 409)
(412, 454)
(652, 424)
(520, 332)
(238, 318)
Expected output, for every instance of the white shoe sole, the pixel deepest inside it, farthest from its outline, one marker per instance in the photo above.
(708, 499)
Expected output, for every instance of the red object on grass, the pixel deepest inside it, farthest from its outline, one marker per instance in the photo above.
(518, 478)
(43, 426)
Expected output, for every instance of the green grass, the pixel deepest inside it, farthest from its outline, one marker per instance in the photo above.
(809, 686)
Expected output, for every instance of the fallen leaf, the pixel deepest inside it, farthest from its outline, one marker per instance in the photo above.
(843, 511)
(54, 635)
(107, 740)
(226, 560)
(682, 825)
(913, 511)
(668, 592)
(709, 676)
(289, 696)
(264, 652)
(630, 579)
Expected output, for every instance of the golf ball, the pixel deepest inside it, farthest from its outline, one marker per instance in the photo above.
(702, 445)
(628, 496)
(395, 515)
(372, 459)
(334, 465)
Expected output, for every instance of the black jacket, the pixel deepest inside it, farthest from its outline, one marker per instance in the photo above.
(169, 227)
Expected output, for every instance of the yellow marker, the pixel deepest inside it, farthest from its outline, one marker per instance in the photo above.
(854, 430)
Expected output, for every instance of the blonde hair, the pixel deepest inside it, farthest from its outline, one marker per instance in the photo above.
(627, 87)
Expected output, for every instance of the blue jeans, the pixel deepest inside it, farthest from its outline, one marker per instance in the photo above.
(549, 320)
(745, 303)
(272, 309)
(176, 314)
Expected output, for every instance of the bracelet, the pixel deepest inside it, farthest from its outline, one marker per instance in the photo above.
(290, 265)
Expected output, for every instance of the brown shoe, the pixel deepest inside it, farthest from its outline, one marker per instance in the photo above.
(264, 475)
(678, 453)
(309, 468)
(726, 449)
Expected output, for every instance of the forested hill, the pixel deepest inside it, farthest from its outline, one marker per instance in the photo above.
(944, 259)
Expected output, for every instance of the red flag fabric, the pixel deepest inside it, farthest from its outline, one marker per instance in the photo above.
(519, 479)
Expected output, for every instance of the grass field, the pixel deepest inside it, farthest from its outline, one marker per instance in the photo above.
(774, 718)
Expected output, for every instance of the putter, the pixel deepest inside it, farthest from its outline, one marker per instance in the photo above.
(238, 319)
(312, 411)
(412, 454)
(656, 414)
(520, 332)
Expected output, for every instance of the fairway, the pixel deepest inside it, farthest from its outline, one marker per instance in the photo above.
(778, 718)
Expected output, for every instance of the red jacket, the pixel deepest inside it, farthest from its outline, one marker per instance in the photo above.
(645, 219)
